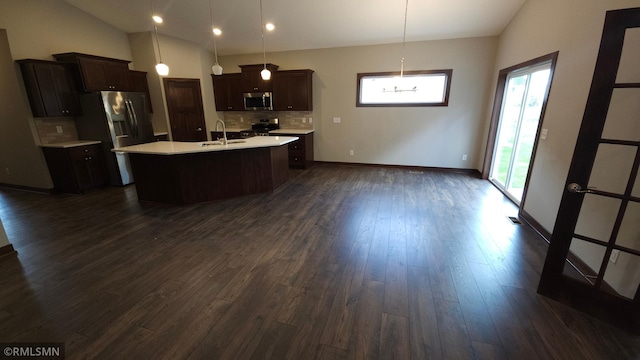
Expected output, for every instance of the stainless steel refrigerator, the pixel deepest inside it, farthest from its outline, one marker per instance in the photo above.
(117, 119)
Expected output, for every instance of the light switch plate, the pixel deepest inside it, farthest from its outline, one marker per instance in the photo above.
(337, 120)
(59, 129)
(543, 134)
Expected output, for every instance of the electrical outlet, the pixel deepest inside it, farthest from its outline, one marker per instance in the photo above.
(310, 120)
(59, 129)
(337, 120)
(464, 157)
(304, 120)
(241, 119)
(614, 256)
(351, 152)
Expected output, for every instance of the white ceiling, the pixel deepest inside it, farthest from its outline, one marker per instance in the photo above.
(307, 24)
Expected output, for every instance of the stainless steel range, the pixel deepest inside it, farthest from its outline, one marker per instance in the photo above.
(263, 127)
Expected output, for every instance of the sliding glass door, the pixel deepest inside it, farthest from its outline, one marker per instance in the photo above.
(525, 93)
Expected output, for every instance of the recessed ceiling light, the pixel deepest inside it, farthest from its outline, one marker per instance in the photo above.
(217, 31)
(157, 19)
(270, 26)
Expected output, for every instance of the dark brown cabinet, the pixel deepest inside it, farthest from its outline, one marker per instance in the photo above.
(301, 150)
(50, 88)
(251, 80)
(292, 90)
(76, 169)
(227, 91)
(138, 83)
(98, 73)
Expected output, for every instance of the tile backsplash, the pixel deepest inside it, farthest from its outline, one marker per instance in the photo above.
(288, 119)
(48, 130)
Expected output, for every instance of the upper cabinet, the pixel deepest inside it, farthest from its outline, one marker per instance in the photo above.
(227, 90)
(251, 80)
(292, 90)
(138, 83)
(99, 73)
(50, 88)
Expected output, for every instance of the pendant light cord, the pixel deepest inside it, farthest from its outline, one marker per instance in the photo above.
(264, 53)
(215, 48)
(404, 37)
(155, 27)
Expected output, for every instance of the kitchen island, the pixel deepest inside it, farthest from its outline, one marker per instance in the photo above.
(192, 172)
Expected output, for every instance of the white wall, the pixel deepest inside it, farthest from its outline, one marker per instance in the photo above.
(414, 136)
(39, 28)
(21, 161)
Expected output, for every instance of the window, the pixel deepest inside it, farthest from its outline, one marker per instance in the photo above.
(415, 88)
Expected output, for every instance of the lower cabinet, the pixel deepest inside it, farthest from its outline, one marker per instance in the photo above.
(76, 169)
(301, 150)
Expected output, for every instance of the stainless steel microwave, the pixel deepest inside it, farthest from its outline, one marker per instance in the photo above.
(258, 101)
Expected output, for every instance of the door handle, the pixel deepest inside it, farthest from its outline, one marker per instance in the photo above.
(577, 189)
(199, 129)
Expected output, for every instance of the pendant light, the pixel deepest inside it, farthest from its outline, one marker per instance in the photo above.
(161, 68)
(216, 68)
(265, 73)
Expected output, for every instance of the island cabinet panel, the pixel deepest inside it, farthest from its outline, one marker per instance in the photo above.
(301, 150)
(50, 88)
(293, 90)
(251, 79)
(74, 170)
(99, 73)
(227, 91)
(201, 177)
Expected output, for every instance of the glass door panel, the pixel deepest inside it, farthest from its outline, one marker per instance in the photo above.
(629, 235)
(524, 96)
(629, 71)
(623, 276)
(623, 115)
(612, 159)
(509, 118)
(597, 217)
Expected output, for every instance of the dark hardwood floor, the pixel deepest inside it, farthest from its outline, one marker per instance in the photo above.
(341, 262)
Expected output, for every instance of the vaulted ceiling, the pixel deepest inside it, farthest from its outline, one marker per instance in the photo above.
(307, 24)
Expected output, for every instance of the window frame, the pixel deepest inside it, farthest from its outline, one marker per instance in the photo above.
(447, 72)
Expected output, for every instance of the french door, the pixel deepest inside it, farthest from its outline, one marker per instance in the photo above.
(597, 229)
(525, 93)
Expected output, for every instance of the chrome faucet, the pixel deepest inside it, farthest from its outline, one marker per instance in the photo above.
(224, 131)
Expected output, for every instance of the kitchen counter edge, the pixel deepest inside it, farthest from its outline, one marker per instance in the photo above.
(179, 147)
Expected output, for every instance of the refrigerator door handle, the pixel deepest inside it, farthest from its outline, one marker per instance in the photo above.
(133, 117)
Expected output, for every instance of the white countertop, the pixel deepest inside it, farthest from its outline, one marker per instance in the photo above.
(178, 147)
(70, 144)
(292, 131)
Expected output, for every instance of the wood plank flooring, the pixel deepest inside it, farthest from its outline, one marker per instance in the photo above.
(341, 262)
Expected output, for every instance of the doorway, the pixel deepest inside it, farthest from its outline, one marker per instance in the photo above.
(521, 98)
(596, 230)
(186, 112)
